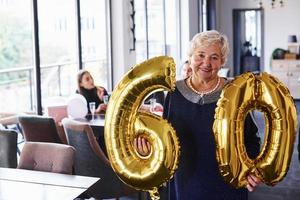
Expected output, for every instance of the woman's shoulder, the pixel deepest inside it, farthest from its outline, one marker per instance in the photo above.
(180, 84)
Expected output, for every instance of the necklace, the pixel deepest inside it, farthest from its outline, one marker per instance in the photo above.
(189, 82)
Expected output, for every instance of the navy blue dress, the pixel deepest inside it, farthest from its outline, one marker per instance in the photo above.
(197, 176)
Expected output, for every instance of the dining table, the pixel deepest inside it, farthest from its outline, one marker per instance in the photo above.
(39, 185)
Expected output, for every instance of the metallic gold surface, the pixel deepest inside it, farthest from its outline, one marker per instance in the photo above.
(255, 92)
(124, 122)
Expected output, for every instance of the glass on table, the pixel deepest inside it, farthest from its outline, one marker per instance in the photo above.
(152, 105)
(92, 106)
(105, 99)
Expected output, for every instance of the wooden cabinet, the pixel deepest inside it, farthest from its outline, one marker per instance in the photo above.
(288, 71)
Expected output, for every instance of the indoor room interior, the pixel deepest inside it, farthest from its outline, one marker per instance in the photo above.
(45, 44)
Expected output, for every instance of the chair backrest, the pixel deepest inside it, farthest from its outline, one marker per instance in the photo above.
(58, 112)
(8, 148)
(39, 129)
(11, 122)
(90, 160)
(49, 157)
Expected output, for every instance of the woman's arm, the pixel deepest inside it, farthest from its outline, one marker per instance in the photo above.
(101, 108)
(101, 91)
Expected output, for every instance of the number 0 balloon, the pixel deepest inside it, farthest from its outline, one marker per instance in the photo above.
(124, 122)
(255, 92)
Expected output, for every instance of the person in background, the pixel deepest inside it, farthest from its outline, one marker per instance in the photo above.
(190, 109)
(92, 93)
(186, 70)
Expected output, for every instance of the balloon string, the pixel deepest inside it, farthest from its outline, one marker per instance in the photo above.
(154, 194)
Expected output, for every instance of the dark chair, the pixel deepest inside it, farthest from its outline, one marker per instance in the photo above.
(90, 160)
(8, 148)
(39, 129)
(49, 157)
(11, 122)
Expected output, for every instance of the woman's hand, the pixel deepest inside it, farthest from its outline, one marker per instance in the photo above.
(157, 108)
(252, 182)
(100, 92)
(142, 146)
(101, 108)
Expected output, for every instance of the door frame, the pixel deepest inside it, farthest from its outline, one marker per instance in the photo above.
(237, 38)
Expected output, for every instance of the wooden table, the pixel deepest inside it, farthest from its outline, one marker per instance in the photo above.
(36, 185)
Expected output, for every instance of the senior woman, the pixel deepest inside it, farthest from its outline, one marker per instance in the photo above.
(190, 109)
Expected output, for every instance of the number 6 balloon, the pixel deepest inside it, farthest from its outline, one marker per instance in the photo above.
(246, 93)
(124, 122)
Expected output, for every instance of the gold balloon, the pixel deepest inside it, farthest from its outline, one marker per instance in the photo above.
(246, 93)
(124, 122)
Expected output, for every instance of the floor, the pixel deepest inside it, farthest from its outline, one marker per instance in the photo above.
(289, 188)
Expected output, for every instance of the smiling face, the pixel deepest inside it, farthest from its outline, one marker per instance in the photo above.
(87, 81)
(206, 61)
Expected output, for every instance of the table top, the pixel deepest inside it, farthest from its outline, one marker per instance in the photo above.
(97, 120)
(50, 178)
(12, 190)
(29, 184)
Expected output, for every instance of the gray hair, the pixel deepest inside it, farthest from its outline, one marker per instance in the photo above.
(207, 38)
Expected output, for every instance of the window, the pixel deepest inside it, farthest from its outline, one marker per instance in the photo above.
(157, 31)
(252, 30)
(172, 30)
(203, 14)
(58, 54)
(156, 25)
(140, 31)
(95, 40)
(16, 58)
(59, 47)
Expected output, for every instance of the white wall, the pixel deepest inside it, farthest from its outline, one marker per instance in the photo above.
(123, 58)
(279, 23)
